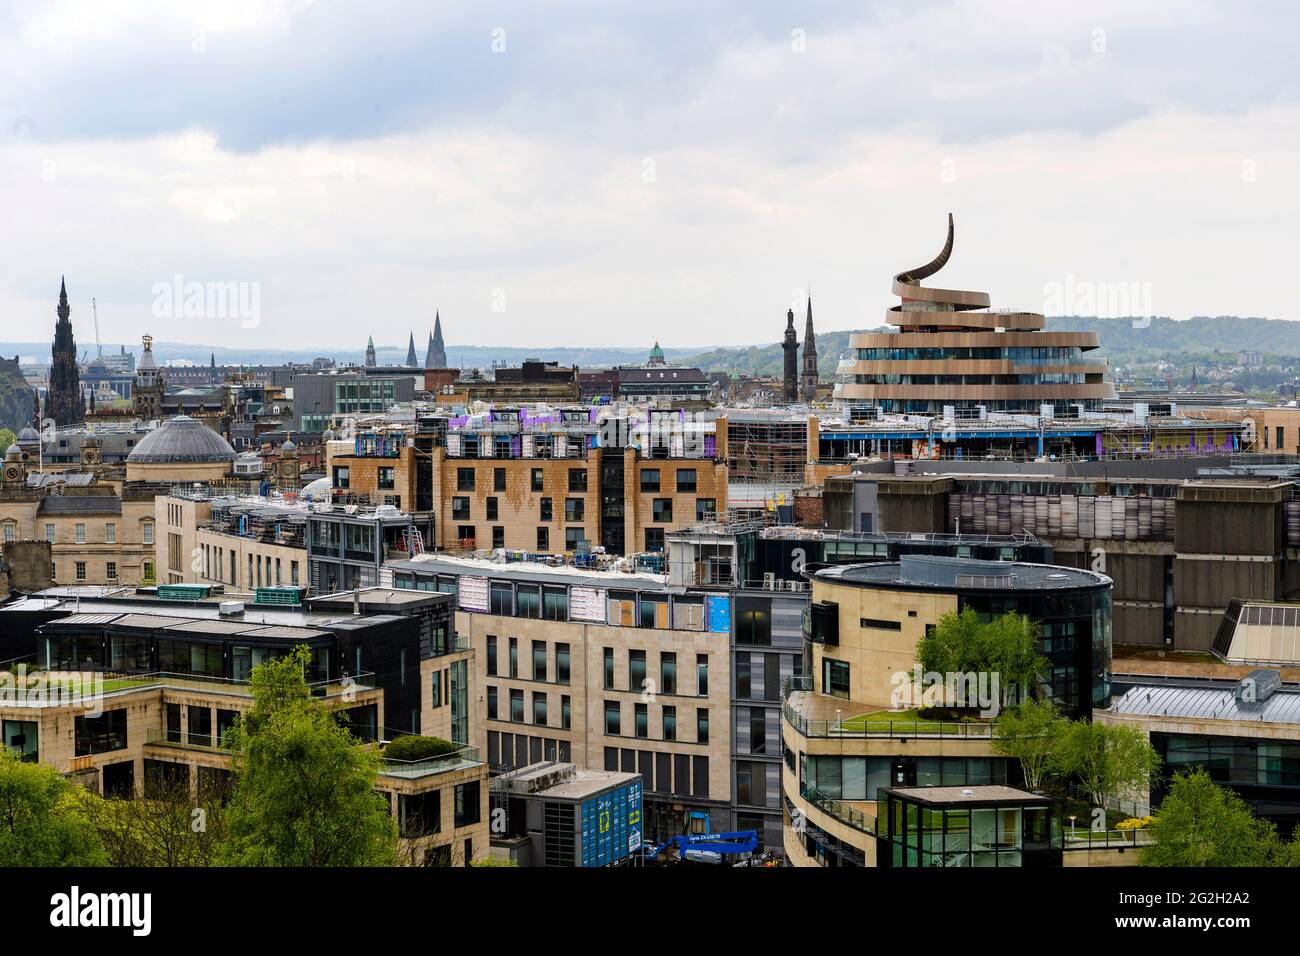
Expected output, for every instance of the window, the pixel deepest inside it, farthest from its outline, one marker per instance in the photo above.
(464, 479)
(574, 509)
(562, 663)
(667, 673)
(537, 479)
(577, 479)
(491, 656)
(465, 532)
(20, 737)
(757, 731)
(49, 533)
(498, 479)
(706, 509)
(81, 533)
(342, 477)
(110, 570)
(649, 479)
(543, 539)
(555, 604)
(539, 660)
(492, 703)
(879, 624)
(517, 706)
(81, 570)
(102, 734)
(386, 478)
(686, 480)
(10, 532)
(670, 723)
(654, 612)
(514, 657)
(754, 621)
(702, 675)
(642, 721)
(545, 511)
(636, 670)
(663, 509)
(110, 533)
(435, 699)
(199, 726)
(467, 805)
(460, 510)
(702, 726)
(498, 537)
(612, 718)
(539, 709)
(492, 514)
(609, 668)
(500, 600)
(835, 677)
(572, 539)
(566, 712)
(654, 539)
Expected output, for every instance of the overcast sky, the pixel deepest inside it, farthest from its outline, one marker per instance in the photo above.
(600, 173)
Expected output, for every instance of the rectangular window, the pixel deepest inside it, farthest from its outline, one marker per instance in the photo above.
(555, 604)
(662, 509)
(498, 479)
(110, 533)
(654, 539)
(835, 677)
(609, 668)
(102, 734)
(146, 530)
(198, 732)
(562, 663)
(543, 539)
(539, 709)
(110, 570)
(880, 625)
(498, 537)
(514, 657)
(517, 706)
(636, 670)
(670, 723)
(491, 703)
(754, 621)
(572, 539)
(81, 533)
(435, 698)
(528, 600)
(491, 656)
(492, 514)
(686, 480)
(566, 712)
(501, 599)
(49, 533)
(578, 479)
(575, 509)
(642, 720)
(460, 510)
(701, 725)
(667, 673)
(81, 570)
(702, 675)
(649, 479)
(464, 479)
(539, 660)
(20, 737)
(538, 480)
(706, 509)
(467, 806)
(342, 477)
(612, 718)
(757, 731)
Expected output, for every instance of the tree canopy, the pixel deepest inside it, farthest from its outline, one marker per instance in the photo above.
(40, 823)
(1006, 646)
(1203, 824)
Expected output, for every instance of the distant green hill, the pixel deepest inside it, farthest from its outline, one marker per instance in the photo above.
(1121, 341)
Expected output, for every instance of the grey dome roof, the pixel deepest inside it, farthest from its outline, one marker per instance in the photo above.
(29, 434)
(13, 450)
(181, 439)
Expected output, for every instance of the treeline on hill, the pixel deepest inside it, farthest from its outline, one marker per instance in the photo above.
(1122, 341)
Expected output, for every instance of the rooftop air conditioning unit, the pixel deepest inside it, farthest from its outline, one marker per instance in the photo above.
(230, 608)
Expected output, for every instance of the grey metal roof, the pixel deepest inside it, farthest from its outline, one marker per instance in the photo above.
(181, 439)
(941, 572)
(1211, 703)
(80, 504)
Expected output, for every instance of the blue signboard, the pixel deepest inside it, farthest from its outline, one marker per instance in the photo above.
(719, 613)
(611, 825)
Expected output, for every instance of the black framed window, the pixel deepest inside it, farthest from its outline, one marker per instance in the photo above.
(835, 677)
(686, 480)
(538, 479)
(667, 673)
(649, 479)
(539, 660)
(670, 723)
(613, 718)
(498, 479)
(754, 621)
(577, 479)
(464, 479)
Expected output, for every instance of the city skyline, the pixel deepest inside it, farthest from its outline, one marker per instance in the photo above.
(346, 175)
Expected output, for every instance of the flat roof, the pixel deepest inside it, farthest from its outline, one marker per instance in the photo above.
(532, 571)
(1217, 701)
(991, 793)
(967, 574)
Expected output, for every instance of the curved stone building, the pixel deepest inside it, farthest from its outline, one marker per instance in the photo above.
(180, 449)
(952, 350)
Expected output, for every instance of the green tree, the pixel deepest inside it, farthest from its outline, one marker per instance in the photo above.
(1006, 646)
(1030, 732)
(1203, 824)
(7, 438)
(1108, 760)
(40, 821)
(167, 825)
(303, 789)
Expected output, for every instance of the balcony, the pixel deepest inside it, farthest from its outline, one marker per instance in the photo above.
(463, 759)
(158, 737)
(820, 715)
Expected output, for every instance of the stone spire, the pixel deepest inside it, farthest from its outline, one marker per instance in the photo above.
(790, 346)
(438, 351)
(65, 404)
(370, 353)
(809, 378)
(411, 360)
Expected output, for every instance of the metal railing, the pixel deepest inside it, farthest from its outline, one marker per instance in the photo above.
(209, 743)
(1083, 839)
(855, 818)
(440, 763)
(855, 727)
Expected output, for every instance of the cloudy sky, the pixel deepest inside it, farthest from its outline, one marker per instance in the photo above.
(614, 173)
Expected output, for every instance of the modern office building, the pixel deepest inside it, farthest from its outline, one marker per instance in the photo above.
(952, 350)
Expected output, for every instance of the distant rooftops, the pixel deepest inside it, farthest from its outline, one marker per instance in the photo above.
(936, 572)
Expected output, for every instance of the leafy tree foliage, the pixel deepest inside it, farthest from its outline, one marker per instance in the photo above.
(1006, 646)
(1203, 824)
(40, 821)
(1030, 732)
(1108, 760)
